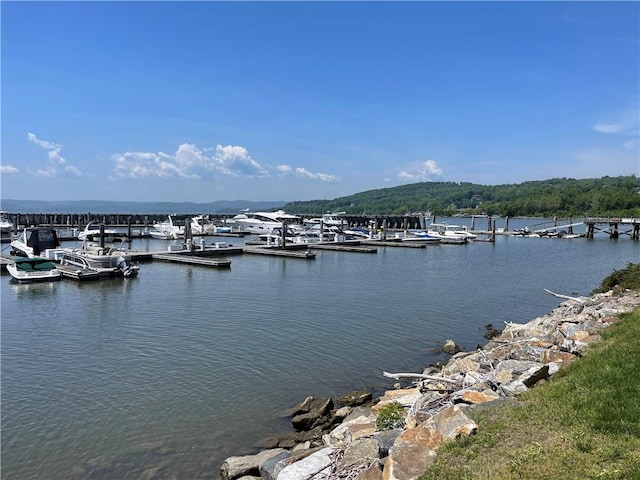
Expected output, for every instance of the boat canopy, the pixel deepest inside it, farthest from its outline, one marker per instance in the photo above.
(42, 238)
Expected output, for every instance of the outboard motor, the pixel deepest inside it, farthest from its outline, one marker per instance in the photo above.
(125, 267)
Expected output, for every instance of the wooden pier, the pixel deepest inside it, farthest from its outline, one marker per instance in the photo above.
(614, 227)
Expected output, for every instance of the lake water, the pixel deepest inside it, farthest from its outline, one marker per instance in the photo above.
(184, 366)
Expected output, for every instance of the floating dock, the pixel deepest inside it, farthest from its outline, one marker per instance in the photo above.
(395, 243)
(76, 273)
(280, 252)
(193, 260)
(341, 247)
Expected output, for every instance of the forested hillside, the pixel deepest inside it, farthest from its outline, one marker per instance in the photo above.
(606, 196)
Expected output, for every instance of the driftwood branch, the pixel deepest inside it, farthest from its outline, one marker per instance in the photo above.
(398, 376)
(565, 297)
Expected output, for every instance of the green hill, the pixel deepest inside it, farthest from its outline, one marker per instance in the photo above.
(606, 196)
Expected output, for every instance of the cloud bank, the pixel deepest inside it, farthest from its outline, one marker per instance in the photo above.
(192, 162)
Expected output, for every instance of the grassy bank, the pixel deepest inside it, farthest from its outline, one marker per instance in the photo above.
(584, 423)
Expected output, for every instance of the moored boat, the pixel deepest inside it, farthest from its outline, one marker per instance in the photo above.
(33, 269)
(6, 226)
(33, 241)
(94, 232)
(264, 222)
(451, 233)
(171, 229)
(418, 236)
(106, 260)
(329, 220)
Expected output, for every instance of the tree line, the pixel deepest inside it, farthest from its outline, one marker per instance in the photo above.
(563, 197)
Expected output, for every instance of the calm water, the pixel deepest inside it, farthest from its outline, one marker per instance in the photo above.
(184, 366)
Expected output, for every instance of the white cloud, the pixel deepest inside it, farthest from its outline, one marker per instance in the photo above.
(609, 127)
(54, 148)
(323, 177)
(284, 169)
(145, 164)
(189, 161)
(49, 172)
(8, 169)
(55, 159)
(427, 171)
(287, 170)
(236, 161)
(628, 126)
(73, 171)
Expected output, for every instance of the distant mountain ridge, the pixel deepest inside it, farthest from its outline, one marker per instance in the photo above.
(99, 206)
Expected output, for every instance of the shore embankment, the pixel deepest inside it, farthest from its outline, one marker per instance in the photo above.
(397, 435)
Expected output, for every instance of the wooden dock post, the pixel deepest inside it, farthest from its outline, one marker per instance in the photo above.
(283, 234)
(506, 224)
(102, 235)
(493, 232)
(473, 222)
(129, 227)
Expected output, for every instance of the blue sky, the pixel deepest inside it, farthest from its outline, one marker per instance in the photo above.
(205, 101)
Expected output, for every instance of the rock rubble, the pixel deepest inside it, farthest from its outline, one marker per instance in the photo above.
(347, 443)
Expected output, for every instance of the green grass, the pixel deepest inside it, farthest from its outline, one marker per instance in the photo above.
(583, 424)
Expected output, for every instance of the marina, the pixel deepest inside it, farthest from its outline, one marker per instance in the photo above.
(184, 365)
(140, 225)
(79, 263)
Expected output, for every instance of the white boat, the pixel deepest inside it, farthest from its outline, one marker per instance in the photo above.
(329, 220)
(419, 236)
(451, 233)
(33, 269)
(33, 241)
(92, 233)
(164, 234)
(295, 236)
(171, 229)
(358, 233)
(264, 222)
(6, 226)
(201, 225)
(106, 260)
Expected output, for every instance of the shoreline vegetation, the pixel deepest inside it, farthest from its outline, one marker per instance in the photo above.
(522, 406)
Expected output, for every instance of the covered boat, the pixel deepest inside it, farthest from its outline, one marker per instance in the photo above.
(33, 241)
(33, 269)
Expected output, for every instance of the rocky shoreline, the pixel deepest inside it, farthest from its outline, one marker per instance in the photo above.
(396, 436)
